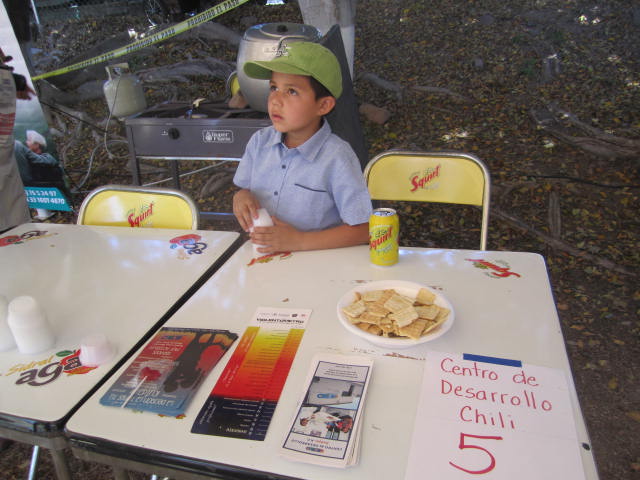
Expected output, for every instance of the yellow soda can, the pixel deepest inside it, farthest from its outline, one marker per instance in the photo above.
(384, 226)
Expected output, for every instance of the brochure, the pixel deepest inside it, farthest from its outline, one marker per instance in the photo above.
(326, 426)
(245, 396)
(169, 370)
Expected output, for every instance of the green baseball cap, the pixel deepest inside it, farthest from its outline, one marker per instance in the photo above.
(301, 58)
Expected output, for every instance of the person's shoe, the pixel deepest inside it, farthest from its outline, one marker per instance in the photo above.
(43, 214)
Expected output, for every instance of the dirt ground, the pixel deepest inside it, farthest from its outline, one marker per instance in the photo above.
(546, 93)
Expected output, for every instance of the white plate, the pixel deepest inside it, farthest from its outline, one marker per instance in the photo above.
(410, 289)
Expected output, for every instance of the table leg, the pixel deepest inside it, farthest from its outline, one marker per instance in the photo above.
(34, 462)
(60, 464)
(175, 168)
(120, 473)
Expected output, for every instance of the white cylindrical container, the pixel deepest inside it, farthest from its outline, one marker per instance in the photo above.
(263, 220)
(123, 91)
(95, 350)
(29, 325)
(6, 337)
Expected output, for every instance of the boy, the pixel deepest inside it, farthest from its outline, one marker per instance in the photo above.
(307, 178)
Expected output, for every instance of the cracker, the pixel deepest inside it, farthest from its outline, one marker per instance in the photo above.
(442, 316)
(377, 310)
(376, 330)
(356, 309)
(386, 295)
(427, 311)
(398, 302)
(367, 327)
(443, 313)
(405, 316)
(387, 327)
(366, 317)
(372, 295)
(425, 297)
(353, 320)
(414, 329)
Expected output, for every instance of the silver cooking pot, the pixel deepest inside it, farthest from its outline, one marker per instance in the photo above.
(261, 42)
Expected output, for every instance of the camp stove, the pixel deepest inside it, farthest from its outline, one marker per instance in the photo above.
(190, 131)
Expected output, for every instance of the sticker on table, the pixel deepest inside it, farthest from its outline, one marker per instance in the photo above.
(168, 371)
(496, 269)
(190, 243)
(244, 399)
(20, 239)
(493, 418)
(266, 258)
(37, 373)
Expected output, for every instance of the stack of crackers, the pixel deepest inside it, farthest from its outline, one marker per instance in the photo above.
(390, 314)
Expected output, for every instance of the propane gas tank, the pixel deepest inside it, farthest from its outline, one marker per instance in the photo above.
(123, 91)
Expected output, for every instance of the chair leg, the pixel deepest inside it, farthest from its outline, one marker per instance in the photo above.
(34, 462)
(60, 464)
(120, 473)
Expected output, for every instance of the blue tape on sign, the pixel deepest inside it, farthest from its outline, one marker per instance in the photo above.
(495, 360)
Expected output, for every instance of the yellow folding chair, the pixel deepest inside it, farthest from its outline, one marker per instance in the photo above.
(133, 206)
(443, 177)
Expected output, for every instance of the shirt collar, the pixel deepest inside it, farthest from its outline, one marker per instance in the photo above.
(309, 149)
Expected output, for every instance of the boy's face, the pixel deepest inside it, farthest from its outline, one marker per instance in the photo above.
(294, 109)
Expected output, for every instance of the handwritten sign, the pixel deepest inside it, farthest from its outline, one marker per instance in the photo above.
(493, 418)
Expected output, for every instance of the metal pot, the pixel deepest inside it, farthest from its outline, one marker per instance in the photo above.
(261, 42)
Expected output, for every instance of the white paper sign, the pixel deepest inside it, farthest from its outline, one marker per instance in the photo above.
(491, 418)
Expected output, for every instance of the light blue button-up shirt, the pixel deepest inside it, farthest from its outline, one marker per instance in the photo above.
(312, 187)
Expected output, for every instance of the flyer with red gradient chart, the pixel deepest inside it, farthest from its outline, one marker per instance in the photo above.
(169, 370)
(245, 396)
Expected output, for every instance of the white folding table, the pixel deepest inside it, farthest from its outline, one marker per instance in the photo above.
(503, 307)
(116, 281)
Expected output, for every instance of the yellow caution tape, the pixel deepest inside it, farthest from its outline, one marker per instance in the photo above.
(181, 27)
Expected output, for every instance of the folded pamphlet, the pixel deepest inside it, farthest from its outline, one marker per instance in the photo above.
(325, 429)
(168, 371)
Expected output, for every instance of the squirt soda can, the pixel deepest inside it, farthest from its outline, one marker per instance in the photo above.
(384, 226)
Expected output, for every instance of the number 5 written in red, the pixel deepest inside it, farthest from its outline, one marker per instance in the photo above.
(462, 445)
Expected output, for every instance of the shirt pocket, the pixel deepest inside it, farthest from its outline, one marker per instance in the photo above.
(315, 199)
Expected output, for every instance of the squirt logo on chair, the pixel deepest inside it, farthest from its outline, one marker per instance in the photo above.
(138, 217)
(426, 179)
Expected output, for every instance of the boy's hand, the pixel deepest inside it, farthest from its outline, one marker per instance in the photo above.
(282, 237)
(245, 208)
